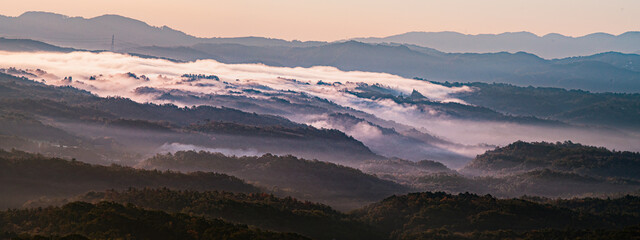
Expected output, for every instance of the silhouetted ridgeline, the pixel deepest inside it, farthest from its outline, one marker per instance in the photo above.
(571, 106)
(28, 45)
(603, 72)
(337, 185)
(101, 130)
(105, 220)
(95, 33)
(468, 216)
(414, 216)
(264, 211)
(25, 176)
(552, 45)
(520, 68)
(554, 170)
(564, 157)
(449, 109)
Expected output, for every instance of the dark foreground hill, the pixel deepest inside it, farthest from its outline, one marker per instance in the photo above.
(105, 220)
(340, 186)
(563, 157)
(264, 211)
(468, 216)
(25, 176)
(428, 215)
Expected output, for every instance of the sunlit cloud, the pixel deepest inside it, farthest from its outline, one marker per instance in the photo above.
(110, 74)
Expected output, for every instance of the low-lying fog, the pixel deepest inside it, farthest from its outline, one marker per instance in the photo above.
(110, 74)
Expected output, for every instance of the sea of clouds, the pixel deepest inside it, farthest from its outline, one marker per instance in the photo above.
(107, 74)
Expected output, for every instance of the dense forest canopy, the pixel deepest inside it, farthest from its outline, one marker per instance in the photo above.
(560, 156)
(413, 216)
(321, 181)
(26, 176)
(107, 220)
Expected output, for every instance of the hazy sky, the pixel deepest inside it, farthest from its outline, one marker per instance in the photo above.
(340, 19)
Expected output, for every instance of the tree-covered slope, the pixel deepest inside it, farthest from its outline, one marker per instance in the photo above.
(340, 186)
(106, 220)
(25, 176)
(143, 128)
(262, 210)
(615, 110)
(467, 216)
(565, 157)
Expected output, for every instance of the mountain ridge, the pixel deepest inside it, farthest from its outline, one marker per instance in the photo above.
(94, 34)
(549, 46)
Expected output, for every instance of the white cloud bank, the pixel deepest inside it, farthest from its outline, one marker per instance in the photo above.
(105, 74)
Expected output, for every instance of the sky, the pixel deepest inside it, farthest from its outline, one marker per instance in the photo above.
(330, 20)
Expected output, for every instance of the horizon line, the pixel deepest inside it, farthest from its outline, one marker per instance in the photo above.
(338, 40)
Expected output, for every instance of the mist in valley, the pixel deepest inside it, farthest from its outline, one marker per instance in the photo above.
(249, 87)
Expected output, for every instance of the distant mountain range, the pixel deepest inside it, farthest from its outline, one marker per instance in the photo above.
(96, 34)
(604, 72)
(548, 46)
(411, 55)
(28, 45)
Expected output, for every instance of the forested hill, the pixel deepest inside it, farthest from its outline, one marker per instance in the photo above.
(565, 157)
(25, 176)
(106, 220)
(613, 110)
(264, 211)
(101, 130)
(339, 186)
(520, 68)
(24, 95)
(468, 216)
(427, 215)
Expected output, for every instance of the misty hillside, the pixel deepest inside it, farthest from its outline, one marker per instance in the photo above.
(571, 106)
(232, 129)
(27, 45)
(339, 186)
(548, 46)
(264, 211)
(81, 125)
(606, 72)
(554, 170)
(467, 216)
(25, 176)
(288, 121)
(597, 73)
(564, 157)
(323, 113)
(449, 109)
(621, 60)
(112, 128)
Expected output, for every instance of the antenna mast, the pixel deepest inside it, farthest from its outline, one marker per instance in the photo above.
(113, 38)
